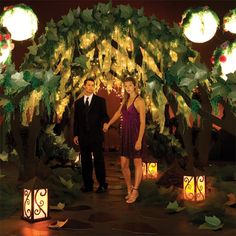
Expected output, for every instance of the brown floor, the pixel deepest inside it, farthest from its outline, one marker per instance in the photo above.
(108, 214)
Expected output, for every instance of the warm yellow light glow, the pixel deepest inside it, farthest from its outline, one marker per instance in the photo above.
(201, 27)
(150, 170)
(194, 188)
(35, 204)
(21, 22)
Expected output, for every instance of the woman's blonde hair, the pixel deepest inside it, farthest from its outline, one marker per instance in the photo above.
(126, 95)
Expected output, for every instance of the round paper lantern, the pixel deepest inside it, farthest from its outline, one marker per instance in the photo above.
(5, 46)
(20, 21)
(200, 25)
(230, 21)
(225, 58)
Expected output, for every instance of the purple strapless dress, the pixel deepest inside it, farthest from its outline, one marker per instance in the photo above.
(130, 124)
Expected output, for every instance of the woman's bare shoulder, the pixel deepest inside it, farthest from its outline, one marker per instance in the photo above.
(140, 99)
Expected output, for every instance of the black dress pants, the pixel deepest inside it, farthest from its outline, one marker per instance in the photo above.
(86, 150)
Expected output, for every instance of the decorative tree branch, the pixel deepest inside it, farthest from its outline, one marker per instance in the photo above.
(225, 124)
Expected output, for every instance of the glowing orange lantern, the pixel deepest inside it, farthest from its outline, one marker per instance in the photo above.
(194, 188)
(150, 170)
(35, 201)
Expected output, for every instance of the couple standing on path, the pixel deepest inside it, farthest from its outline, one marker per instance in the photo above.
(91, 120)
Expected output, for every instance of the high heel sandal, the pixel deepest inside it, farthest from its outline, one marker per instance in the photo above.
(133, 198)
(129, 193)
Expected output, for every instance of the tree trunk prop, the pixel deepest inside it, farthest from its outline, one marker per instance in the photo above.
(25, 138)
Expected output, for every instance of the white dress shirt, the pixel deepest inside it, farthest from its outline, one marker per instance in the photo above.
(89, 98)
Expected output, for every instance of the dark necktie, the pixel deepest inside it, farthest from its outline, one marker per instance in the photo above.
(86, 113)
(87, 102)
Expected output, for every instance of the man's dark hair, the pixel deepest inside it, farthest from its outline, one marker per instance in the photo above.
(89, 79)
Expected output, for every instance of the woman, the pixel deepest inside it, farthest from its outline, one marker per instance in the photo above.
(132, 110)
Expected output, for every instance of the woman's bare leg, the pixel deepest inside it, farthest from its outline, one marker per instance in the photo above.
(124, 161)
(137, 180)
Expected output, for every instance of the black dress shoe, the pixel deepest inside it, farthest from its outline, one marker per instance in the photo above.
(102, 188)
(86, 189)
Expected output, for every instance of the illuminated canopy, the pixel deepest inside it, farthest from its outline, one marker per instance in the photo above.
(20, 21)
(200, 25)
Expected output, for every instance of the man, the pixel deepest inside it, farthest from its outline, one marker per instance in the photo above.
(89, 116)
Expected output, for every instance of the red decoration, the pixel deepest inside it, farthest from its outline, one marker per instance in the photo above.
(222, 58)
(7, 36)
(5, 46)
(8, 7)
(212, 60)
(1, 37)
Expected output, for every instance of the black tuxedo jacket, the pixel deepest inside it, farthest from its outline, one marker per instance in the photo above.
(92, 117)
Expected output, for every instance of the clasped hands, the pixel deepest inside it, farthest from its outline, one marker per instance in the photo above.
(105, 127)
(138, 144)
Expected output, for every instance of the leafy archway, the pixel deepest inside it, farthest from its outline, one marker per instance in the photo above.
(110, 43)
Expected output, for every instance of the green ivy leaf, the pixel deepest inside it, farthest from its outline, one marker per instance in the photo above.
(212, 223)
(68, 20)
(52, 34)
(218, 89)
(67, 183)
(140, 12)
(195, 106)
(174, 207)
(8, 107)
(231, 78)
(104, 8)
(212, 220)
(232, 95)
(81, 60)
(143, 22)
(33, 49)
(87, 15)
(125, 11)
(156, 24)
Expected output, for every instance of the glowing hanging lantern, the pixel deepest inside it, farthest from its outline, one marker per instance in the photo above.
(200, 25)
(35, 201)
(194, 188)
(150, 170)
(6, 46)
(225, 58)
(20, 21)
(230, 21)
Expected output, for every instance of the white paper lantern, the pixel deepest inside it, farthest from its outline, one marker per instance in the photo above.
(200, 25)
(230, 21)
(20, 21)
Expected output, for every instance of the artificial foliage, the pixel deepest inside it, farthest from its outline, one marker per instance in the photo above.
(110, 43)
